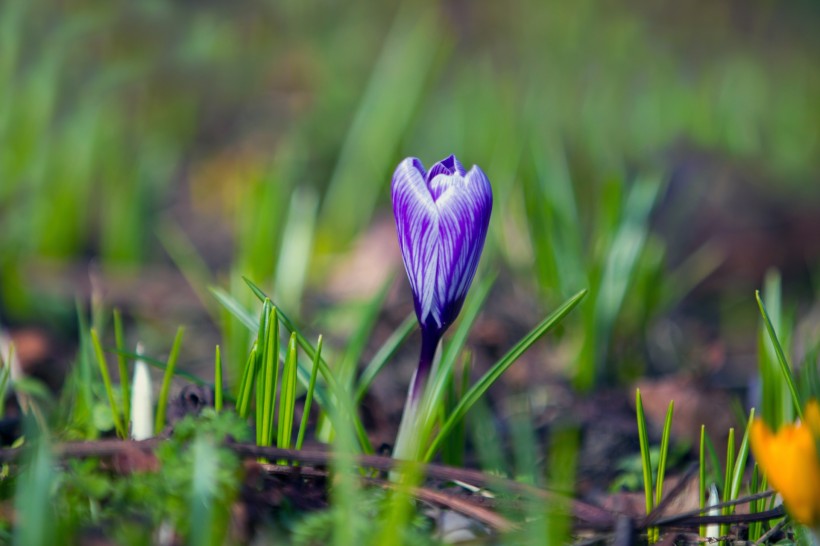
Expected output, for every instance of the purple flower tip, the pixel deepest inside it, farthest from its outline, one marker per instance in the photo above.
(442, 217)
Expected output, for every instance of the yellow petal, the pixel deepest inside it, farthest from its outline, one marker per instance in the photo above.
(789, 459)
(811, 416)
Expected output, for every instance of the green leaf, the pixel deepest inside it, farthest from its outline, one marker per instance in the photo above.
(727, 481)
(287, 397)
(327, 374)
(243, 398)
(109, 390)
(314, 372)
(667, 431)
(781, 357)
(357, 342)
(384, 355)
(483, 384)
(646, 462)
(268, 381)
(122, 367)
(235, 308)
(218, 380)
(436, 391)
(162, 403)
(740, 463)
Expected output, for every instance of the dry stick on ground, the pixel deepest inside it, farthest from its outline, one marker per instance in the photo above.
(457, 504)
(780, 524)
(693, 518)
(587, 515)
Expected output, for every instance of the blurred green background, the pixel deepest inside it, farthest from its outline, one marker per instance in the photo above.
(636, 148)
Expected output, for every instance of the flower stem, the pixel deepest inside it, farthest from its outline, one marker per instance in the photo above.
(429, 344)
(407, 441)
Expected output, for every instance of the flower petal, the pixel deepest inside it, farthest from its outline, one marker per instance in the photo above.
(442, 218)
(448, 166)
(464, 206)
(417, 225)
(790, 460)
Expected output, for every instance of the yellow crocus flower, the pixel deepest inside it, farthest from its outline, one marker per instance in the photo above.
(790, 460)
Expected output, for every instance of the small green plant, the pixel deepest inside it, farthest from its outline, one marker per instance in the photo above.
(653, 488)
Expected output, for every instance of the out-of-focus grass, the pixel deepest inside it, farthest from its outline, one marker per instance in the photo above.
(280, 122)
(283, 121)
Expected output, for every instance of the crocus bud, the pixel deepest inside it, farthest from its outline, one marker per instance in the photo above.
(442, 217)
(142, 405)
(791, 461)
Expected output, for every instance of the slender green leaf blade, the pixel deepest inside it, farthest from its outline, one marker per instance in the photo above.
(483, 384)
(218, 395)
(384, 355)
(646, 463)
(122, 367)
(314, 372)
(235, 308)
(667, 431)
(109, 390)
(287, 396)
(781, 357)
(162, 403)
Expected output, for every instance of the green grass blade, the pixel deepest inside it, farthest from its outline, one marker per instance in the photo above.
(646, 463)
(296, 248)
(740, 462)
(258, 378)
(617, 275)
(452, 452)
(395, 86)
(667, 431)
(33, 499)
(727, 480)
(287, 397)
(756, 527)
(218, 380)
(235, 308)
(314, 372)
(781, 357)
(188, 260)
(730, 461)
(268, 382)
(561, 476)
(384, 355)
(255, 289)
(122, 367)
(357, 342)
(468, 316)
(243, 398)
(162, 403)
(204, 488)
(714, 463)
(775, 399)
(437, 386)
(483, 384)
(327, 374)
(82, 406)
(109, 390)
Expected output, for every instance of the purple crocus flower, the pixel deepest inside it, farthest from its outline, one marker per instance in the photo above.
(441, 217)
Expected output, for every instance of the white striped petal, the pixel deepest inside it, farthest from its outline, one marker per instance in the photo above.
(442, 218)
(417, 226)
